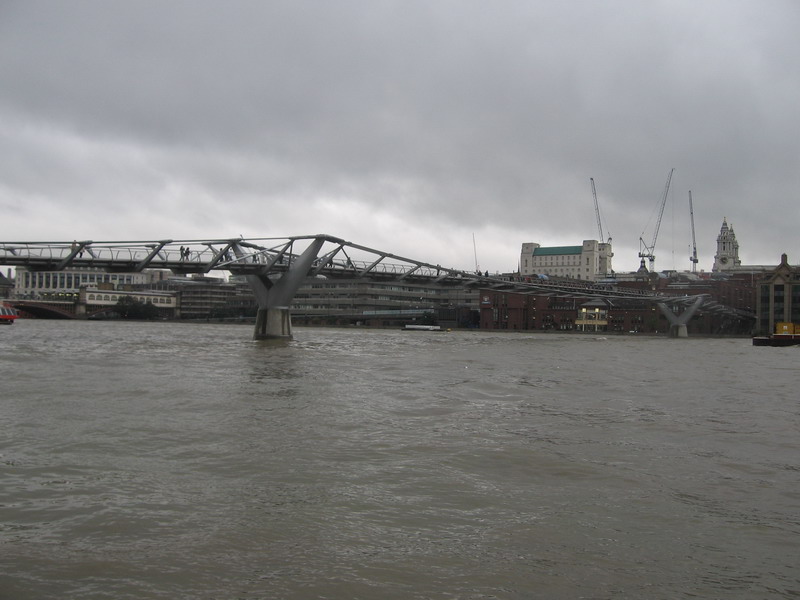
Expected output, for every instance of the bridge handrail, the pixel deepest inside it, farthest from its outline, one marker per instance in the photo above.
(135, 251)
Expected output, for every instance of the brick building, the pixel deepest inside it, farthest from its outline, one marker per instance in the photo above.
(562, 312)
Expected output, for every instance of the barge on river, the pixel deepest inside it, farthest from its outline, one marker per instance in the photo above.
(786, 334)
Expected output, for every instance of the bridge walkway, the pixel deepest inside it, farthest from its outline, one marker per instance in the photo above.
(277, 267)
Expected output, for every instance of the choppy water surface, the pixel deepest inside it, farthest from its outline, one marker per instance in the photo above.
(187, 461)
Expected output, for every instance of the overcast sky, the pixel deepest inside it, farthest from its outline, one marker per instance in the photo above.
(410, 126)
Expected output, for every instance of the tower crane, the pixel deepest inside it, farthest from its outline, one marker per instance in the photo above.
(597, 211)
(646, 251)
(693, 257)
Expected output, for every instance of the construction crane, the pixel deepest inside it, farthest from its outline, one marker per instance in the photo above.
(693, 257)
(597, 211)
(646, 251)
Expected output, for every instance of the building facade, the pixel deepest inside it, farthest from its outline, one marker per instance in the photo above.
(93, 300)
(778, 299)
(531, 312)
(6, 285)
(323, 301)
(201, 297)
(588, 262)
(562, 312)
(65, 285)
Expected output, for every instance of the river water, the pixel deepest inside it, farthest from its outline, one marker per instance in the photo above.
(166, 460)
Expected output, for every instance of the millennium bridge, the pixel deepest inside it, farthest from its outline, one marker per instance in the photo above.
(276, 268)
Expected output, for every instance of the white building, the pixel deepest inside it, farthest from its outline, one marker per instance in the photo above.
(589, 262)
(44, 285)
(159, 299)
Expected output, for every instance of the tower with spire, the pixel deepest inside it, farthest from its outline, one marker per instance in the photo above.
(727, 256)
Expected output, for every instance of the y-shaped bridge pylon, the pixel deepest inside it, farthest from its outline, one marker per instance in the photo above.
(678, 322)
(273, 319)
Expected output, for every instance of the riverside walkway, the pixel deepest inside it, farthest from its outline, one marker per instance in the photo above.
(275, 268)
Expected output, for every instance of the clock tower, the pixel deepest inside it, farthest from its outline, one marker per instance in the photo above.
(727, 256)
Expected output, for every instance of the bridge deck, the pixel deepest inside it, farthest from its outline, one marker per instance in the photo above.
(273, 256)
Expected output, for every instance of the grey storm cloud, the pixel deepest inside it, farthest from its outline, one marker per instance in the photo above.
(407, 126)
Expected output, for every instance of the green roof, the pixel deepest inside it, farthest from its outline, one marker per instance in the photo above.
(556, 250)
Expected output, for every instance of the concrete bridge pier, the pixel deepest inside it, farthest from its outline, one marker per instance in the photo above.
(273, 322)
(677, 323)
(274, 319)
(678, 331)
(80, 305)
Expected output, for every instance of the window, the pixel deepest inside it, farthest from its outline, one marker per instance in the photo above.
(778, 302)
(795, 314)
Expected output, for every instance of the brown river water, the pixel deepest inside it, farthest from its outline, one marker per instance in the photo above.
(166, 460)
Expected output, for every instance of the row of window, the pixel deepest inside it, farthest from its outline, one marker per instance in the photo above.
(115, 298)
(556, 260)
(70, 280)
(369, 297)
(779, 300)
(388, 288)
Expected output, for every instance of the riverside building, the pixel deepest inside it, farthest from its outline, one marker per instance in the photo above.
(88, 291)
(590, 261)
(6, 285)
(66, 284)
(778, 299)
(372, 303)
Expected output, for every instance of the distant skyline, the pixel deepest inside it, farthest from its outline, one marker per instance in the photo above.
(409, 126)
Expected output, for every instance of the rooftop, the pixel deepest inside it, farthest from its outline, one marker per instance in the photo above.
(557, 250)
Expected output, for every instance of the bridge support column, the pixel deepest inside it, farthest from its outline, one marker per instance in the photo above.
(677, 323)
(678, 331)
(273, 319)
(80, 304)
(272, 323)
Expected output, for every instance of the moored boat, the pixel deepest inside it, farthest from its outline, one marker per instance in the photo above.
(786, 334)
(422, 328)
(778, 339)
